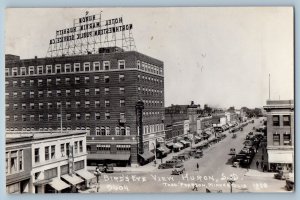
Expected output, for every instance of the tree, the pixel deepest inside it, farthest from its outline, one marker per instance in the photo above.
(231, 109)
(207, 109)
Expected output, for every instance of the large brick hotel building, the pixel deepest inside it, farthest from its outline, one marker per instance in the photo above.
(95, 92)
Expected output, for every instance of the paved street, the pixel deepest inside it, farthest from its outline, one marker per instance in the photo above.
(215, 168)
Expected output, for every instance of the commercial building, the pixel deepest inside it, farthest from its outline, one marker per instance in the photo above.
(280, 134)
(46, 162)
(203, 123)
(94, 92)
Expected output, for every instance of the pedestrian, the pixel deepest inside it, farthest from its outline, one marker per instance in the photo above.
(262, 157)
(261, 164)
(195, 188)
(257, 164)
(197, 167)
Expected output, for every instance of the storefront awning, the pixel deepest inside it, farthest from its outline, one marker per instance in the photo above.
(58, 184)
(177, 145)
(280, 157)
(165, 149)
(147, 155)
(85, 174)
(160, 149)
(108, 156)
(73, 179)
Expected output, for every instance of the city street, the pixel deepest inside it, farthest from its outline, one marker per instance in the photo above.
(214, 171)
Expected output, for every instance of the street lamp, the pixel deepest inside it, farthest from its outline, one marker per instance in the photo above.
(154, 154)
(97, 174)
(230, 181)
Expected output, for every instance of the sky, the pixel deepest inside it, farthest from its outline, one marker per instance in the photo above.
(220, 56)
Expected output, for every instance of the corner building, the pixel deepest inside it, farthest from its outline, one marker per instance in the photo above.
(96, 92)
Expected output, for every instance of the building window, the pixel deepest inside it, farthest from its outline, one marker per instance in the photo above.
(58, 116)
(40, 94)
(286, 120)
(87, 92)
(49, 69)
(40, 82)
(49, 82)
(123, 131)
(275, 120)
(68, 104)
(68, 93)
(276, 139)
(123, 148)
(52, 151)
(122, 102)
(58, 81)
(138, 64)
(15, 117)
(97, 104)
(58, 68)
(107, 130)
(78, 116)
(97, 91)
(50, 117)
(80, 146)
(87, 104)
(58, 93)
(107, 115)
(79, 165)
(15, 71)
(106, 65)
(15, 106)
(68, 117)
(86, 80)
(103, 147)
(41, 117)
(50, 173)
(67, 81)
(117, 131)
(6, 71)
(68, 68)
(107, 103)
(31, 82)
(23, 118)
(127, 130)
(31, 94)
(40, 69)
(121, 64)
(15, 95)
(62, 150)
(77, 92)
(87, 116)
(86, 67)
(47, 153)
(77, 103)
(50, 106)
(77, 80)
(23, 83)
(96, 79)
(121, 78)
(23, 106)
(122, 90)
(77, 67)
(49, 93)
(98, 131)
(106, 90)
(106, 79)
(287, 139)
(76, 147)
(96, 66)
(97, 116)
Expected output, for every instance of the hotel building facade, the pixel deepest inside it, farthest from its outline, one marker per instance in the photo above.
(96, 93)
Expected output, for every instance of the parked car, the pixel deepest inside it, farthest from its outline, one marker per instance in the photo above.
(289, 184)
(183, 157)
(101, 168)
(198, 154)
(282, 175)
(234, 135)
(232, 151)
(178, 169)
(109, 168)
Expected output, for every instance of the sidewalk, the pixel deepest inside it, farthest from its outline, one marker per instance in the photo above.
(258, 171)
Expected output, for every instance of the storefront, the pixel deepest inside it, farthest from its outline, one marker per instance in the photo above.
(87, 176)
(146, 157)
(73, 180)
(56, 185)
(279, 160)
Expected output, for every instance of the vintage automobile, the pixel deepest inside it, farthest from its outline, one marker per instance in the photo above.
(234, 135)
(178, 169)
(289, 184)
(101, 168)
(109, 168)
(198, 154)
(183, 157)
(282, 175)
(169, 164)
(232, 151)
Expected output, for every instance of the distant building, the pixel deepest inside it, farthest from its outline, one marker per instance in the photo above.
(46, 162)
(219, 119)
(280, 134)
(203, 122)
(231, 117)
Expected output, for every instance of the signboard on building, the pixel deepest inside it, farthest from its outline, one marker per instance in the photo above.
(71, 160)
